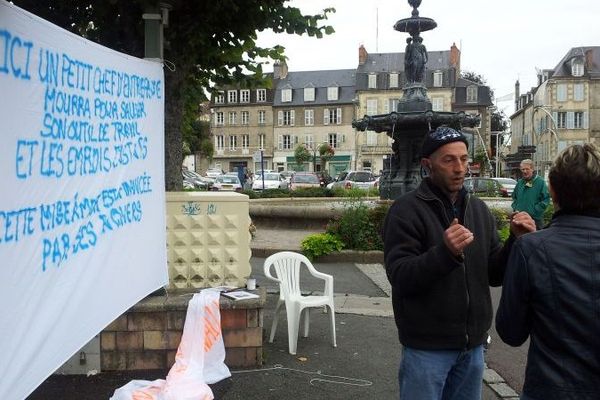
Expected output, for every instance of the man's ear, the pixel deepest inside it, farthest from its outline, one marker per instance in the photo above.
(426, 164)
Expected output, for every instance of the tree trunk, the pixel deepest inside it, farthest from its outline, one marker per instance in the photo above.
(173, 139)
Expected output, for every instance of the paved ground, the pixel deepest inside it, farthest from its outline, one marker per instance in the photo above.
(363, 366)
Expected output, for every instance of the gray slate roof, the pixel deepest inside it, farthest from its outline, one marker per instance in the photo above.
(343, 78)
(394, 62)
(563, 69)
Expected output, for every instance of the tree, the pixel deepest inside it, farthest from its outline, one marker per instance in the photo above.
(208, 43)
(301, 155)
(326, 153)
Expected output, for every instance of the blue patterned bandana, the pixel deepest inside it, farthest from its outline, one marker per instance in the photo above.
(439, 137)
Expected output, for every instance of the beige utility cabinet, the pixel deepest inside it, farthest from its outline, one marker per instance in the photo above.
(208, 239)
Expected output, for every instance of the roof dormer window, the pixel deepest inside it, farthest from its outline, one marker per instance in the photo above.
(309, 94)
(577, 67)
(332, 93)
(286, 95)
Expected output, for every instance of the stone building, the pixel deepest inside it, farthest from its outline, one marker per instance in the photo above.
(563, 109)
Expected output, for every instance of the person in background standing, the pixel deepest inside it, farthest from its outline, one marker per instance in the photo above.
(551, 287)
(531, 194)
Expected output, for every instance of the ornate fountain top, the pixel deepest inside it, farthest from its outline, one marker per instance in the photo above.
(415, 24)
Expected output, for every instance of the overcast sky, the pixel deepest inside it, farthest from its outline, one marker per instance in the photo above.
(503, 40)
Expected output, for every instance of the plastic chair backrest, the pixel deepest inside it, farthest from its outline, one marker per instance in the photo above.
(287, 265)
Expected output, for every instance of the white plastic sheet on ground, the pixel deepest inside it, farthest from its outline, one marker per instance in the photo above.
(200, 358)
(82, 208)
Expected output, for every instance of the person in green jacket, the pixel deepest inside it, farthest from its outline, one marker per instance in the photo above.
(531, 194)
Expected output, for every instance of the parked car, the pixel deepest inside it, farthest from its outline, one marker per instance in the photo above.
(214, 172)
(197, 180)
(485, 187)
(227, 183)
(273, 180)
(324, 178)
(304, 180)
(508, 184)
(355, 180)
(287, 175)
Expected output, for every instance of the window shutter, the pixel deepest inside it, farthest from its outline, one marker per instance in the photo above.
(570, 120)
(295, 139)
(339, 116)
(292, 117)
(386, 106)
(555, 118)
(585, 120)
(279, 118)
(280, 142)
(326, 116)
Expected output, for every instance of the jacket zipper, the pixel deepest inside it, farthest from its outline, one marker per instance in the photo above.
(468, 197)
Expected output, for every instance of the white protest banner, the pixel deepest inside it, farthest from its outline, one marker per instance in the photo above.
(82, 210)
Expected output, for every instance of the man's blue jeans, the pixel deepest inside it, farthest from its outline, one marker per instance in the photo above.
(441, 374)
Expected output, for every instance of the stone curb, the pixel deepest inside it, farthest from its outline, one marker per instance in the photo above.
(364, 257)
(498, 385)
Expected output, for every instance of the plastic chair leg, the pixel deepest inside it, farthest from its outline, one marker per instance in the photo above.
(293, 318)
(306, 313)
(332, 314)
(275, 319)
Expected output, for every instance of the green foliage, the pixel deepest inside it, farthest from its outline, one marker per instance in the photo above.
(359, 227)
(310, 192)
(548, 213)
(355, 192)
(320, 244)
(301, 155)
(500, 216)
(504, 233)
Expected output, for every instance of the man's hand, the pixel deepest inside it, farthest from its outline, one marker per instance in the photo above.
(521, 223)
(457, 237)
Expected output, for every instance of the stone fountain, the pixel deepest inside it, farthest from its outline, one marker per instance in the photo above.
(413, 118)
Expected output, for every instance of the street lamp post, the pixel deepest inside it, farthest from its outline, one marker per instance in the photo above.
(552, 131)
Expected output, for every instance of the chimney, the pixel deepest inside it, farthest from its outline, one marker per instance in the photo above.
(517, 94)
(455, 59)
(283, 70)
(276, 70)
(589, 60)
(362, 55)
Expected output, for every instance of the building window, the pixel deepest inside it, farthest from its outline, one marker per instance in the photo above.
(245, 141)
(232, 117)
(245, 96)
(261, 141)
(332, 116)
(261, 95)
(232, 142)
(437, 79)
(261, 117)
(393, 80)
(472, 94)
(437, 104)
(245, 117)
(577, 67)
(309, 117)
(561, 120)
(309, 141)
(285, 142)
(219, 142)
(220, 98)
(286, 95)
(332, 93)
(372, 81)
(309, 94)
(232, 96)
(333, 140)
(286, 117)
(578, 120)
(561, 92)
(219, 118)
(371, 138)
(578, 92)
(371, 106)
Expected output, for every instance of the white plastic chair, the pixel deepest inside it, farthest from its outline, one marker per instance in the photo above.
(287, 273)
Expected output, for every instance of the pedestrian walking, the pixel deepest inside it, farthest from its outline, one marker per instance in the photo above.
(551, 288)
(531, 194)
(442, 252)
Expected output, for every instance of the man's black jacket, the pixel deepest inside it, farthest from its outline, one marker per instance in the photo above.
(439, 300)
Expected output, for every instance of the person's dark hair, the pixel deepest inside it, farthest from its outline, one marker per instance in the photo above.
(575, 178)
